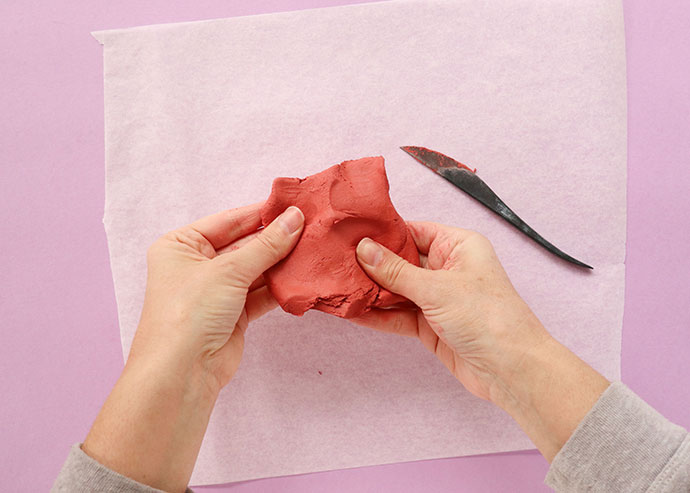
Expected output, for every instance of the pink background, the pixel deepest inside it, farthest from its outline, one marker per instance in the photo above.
(60, 349)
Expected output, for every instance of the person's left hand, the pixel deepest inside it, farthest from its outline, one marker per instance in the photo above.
(205, 285)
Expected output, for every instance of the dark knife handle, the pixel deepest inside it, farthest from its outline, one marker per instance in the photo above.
(475, 187)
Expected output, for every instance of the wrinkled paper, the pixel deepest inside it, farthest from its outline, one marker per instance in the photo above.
(202, 116)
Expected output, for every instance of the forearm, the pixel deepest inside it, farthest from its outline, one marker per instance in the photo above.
(151, 427)
(548, 393)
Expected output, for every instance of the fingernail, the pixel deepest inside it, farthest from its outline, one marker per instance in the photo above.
(369, 252)
(291, 219)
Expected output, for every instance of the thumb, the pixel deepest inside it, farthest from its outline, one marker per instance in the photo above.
(391, 271)
(268, 248)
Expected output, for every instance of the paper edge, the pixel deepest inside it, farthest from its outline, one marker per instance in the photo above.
(101, 37)
(530, 448)
(100, 34)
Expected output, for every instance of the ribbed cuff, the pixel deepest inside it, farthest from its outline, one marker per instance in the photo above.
(622, 444)
(81, 473)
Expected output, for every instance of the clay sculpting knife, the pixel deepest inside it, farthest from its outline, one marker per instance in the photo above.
(466, 180)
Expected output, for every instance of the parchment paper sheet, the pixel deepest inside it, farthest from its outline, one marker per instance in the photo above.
(202, 116)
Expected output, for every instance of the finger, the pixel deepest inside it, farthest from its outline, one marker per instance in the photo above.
(394, 321)
(425, 233)
(269, 247)
(410, 323)
(224, 227)
(259, 302)
(393, 272)
(258, 282)
(239, 243)
(423, 261)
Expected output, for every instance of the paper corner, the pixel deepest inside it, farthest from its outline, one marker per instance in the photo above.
(99, 35)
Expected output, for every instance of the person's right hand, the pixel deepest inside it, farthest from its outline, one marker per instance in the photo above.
(469, 314)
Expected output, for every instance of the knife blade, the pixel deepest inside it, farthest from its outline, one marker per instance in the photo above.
(466, 180)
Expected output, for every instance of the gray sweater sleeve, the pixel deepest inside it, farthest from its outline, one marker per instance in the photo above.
(623, 445)
(81, 473)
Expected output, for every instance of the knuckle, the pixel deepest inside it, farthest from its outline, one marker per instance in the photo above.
(398, 325)
(480, 239)
(395, 273)
(190, 237)
(270, 242)
(228, 261)
(232, 273)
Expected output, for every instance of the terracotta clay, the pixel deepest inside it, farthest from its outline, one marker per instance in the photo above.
(341, 205)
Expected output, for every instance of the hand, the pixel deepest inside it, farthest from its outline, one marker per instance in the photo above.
(472, 318)
(204, 286)
(469, 315)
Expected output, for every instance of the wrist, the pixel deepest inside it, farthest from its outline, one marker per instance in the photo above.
(548, 392)
(175, 374)
(519, 352)
(526, 365)
(152, 424)
(172, 360)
